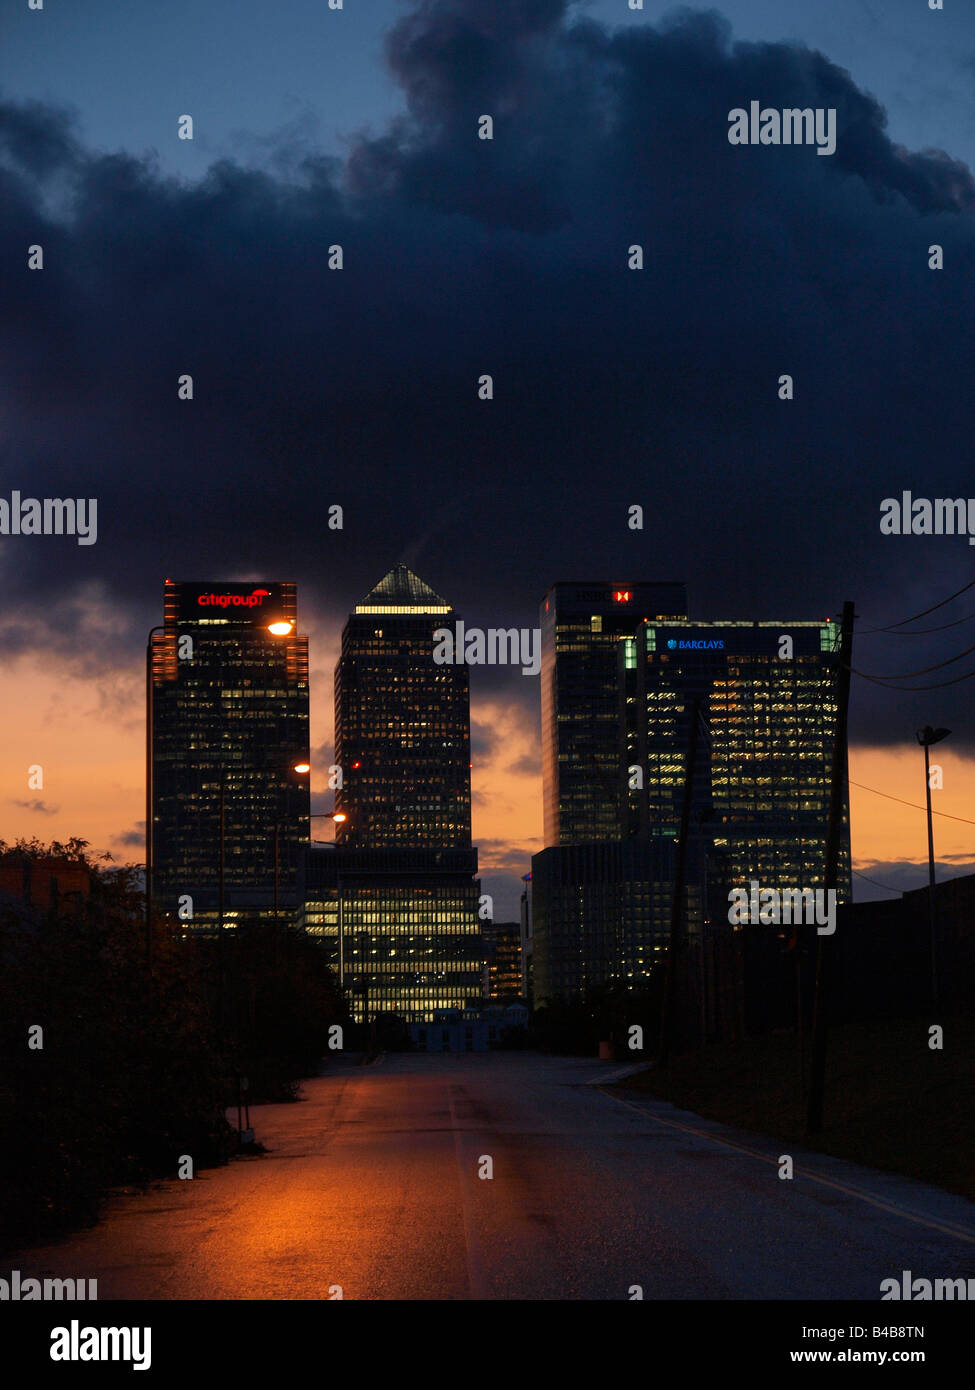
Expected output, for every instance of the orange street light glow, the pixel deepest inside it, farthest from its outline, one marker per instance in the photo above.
(302, 767)
(280, 629)
(340, 816)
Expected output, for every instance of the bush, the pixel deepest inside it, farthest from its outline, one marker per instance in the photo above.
(134, 1072)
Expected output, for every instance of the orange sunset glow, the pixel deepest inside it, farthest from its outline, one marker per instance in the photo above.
(88, 737)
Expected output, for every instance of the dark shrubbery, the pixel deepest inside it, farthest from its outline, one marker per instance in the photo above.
(130, 1077)
(283, 1001)
(606, 1014)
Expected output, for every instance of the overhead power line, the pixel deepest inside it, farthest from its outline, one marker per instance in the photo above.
(892, 627)
(924, 671)
(916, 805)
(885, 886)
(918, 631)
(934, 685)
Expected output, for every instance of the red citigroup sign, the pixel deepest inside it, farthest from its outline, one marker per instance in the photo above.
(247, 603)
(252, 600)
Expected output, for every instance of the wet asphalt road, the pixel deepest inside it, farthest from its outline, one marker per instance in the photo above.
(373, 1185)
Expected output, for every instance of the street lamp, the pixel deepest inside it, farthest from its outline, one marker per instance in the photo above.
(301, 769)
(926, 737)
(339, 817)
(328, 815)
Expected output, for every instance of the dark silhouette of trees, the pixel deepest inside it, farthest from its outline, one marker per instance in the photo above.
(110, 1077)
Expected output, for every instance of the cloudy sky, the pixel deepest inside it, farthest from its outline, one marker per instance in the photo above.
(315, 127)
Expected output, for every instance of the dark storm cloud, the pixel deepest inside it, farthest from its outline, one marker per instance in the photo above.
(463, 257)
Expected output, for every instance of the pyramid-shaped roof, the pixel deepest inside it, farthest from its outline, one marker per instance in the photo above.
(402, 591)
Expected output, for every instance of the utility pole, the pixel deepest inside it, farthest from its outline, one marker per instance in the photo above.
(825, 946)
(931, 918)
(677, 904)
(925, 738)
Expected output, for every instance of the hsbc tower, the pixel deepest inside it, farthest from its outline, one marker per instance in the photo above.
(227, 800)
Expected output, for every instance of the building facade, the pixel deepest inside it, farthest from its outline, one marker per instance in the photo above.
(596, 907)
(582, 625)
(764, 697)
(402, 724)
(399, 926)
(504, 972)
(622, 693)
(397, 900)
(601, 914)
(229, 724)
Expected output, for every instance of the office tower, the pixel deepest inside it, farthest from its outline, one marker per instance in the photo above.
(402, 723)
(400, 926)
(761, 696)
(503, 961)
(765, 692)
(601, 913)
(598, 906)
(582, 625)
(396, 900)
(229, 722)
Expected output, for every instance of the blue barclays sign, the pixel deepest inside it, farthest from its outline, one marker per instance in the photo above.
(696, 644)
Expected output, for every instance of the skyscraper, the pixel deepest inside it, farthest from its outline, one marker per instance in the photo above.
(402, 723)
(766, 696)
(504, 963)
(229, 696)
(396, 900)
(620, 692)
(582, 625)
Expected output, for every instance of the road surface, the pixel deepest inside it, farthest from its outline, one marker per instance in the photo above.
(373, 1185)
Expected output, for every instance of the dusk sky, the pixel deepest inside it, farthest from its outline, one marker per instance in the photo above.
(358, 387)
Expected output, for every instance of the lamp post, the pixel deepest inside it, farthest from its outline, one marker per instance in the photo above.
(302, 769)
(926, 737)
(340, 818)
(337, 817)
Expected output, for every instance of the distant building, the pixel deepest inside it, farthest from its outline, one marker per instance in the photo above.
(230, 724)
(469, 1030)
(626, 678)
(46, 884)
(402, 724)
(503, 965)
(400, 926)
(766, 693)
(396, 900)
(585, 884)
(601, 915)
(582, 625)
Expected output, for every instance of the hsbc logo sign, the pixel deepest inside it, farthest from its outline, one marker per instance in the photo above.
(251, 600)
